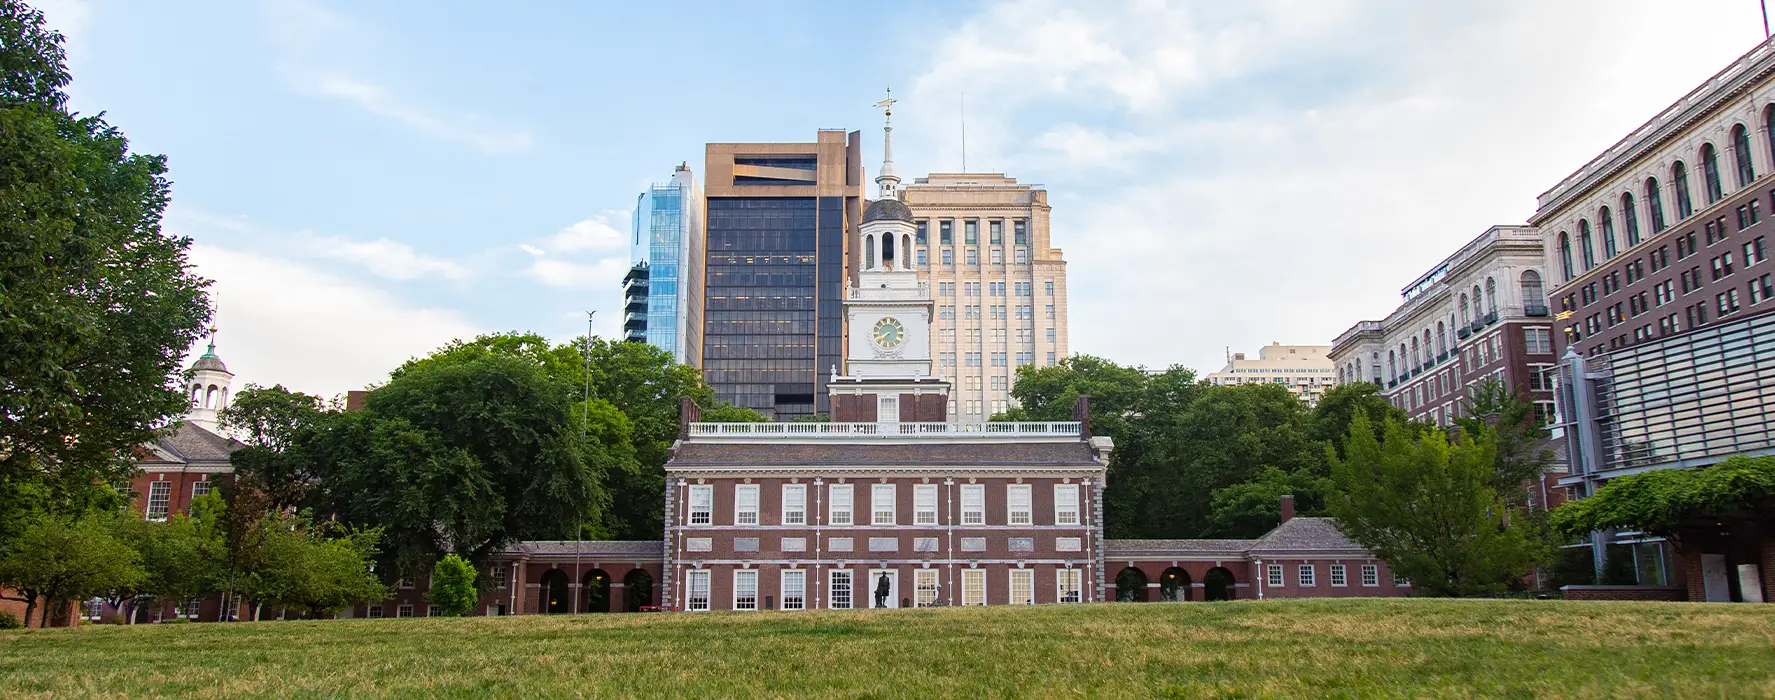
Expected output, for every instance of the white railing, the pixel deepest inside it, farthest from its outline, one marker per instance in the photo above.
(840, 430)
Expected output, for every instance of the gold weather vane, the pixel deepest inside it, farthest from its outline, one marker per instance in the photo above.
(887, 104)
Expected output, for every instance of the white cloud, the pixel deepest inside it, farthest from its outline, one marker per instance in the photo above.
(390, 259)
(605, 274)
(323, 54)
(591, 235)
(1297, 163)
(283, 322)
(588, 254)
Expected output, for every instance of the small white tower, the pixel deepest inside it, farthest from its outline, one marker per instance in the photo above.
(209, 388)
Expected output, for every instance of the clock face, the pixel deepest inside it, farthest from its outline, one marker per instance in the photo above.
(889, 333)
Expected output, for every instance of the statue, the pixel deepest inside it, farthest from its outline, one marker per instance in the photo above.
(881, 591)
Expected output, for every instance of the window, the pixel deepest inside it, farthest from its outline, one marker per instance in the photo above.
(882, 504)
(1607, 222)
(1760, 289)
(839, 589)
(923, 232)
(973, 587)
(374, 611)
(1754, 252)
(404, 610)
(745, 504)
(1401, 581)
(1741, 155)
(1565, 263)
(434, 611)
(500, 576)
(1337, 575)
(1275, 576)
(160, 496)
(1371, 575)
(1306, 575)
(1066, 504)
(1710, 173)
(1728, 301)
(948, 258)
(699, 590)
(1051, 359)
(1022, 587)
(1538, 341)
(973, 504)
(924, 582)
(946, 233)
(838, 510)
(1679, 181)
(745, 589)
(1655, 204)
(1048, 287)
(971, 232)
(1050, 311)
(1630, 218)
(794, 589)
(995, 231)
(1017, 504)
(702, 504)
(1022, 256)
(1068, 585)
(1585, 251)
(202, 488)
(924, 504)
(794, 504)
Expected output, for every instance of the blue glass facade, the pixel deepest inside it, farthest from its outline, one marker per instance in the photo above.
(666, 243)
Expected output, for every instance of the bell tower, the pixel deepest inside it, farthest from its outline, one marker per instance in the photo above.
(208, 391)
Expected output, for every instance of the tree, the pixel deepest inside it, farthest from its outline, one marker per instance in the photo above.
(1251, 508)
(1522, 454)
(181, 556)
(236, 516)
(97, 306)
(275, 424)
(1427, 508)
(453, 586)
(1660, 502)
(1049, 393)
(302, 567)
(1335, 410)
(59, 561)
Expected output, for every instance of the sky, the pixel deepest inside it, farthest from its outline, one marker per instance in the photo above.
(367, 181)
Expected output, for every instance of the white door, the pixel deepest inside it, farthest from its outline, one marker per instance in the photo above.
(873, 588)
(1714, 580)
(1750, 584)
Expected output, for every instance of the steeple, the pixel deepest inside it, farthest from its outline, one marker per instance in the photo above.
(888, 180)
(210, 380)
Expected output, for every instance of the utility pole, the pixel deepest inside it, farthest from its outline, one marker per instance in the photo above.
(585, 426)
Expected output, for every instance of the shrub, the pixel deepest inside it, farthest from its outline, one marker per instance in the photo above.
(9, 621)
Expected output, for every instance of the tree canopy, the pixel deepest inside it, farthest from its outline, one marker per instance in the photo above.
(1658, 502)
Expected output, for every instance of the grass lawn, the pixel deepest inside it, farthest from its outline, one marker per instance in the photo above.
(1323, 648)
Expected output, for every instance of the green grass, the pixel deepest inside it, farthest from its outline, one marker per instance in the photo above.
(1324, 648)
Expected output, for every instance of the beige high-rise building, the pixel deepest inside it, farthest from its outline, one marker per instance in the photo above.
(1000, 289)
(1305, 370)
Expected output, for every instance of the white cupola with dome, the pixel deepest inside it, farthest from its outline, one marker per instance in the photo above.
(208, 388)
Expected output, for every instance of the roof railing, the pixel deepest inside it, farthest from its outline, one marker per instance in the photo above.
(885, 429)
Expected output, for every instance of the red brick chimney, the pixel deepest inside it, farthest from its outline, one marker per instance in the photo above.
(1287, 508)
(688, 412)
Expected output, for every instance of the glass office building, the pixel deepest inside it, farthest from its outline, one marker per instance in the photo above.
(666, 253)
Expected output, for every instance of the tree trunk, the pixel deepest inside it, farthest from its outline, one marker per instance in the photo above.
(30, 607)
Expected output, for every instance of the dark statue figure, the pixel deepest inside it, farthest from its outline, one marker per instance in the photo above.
(881, 591)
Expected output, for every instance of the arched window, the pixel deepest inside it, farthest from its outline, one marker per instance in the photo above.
(1710, 173)
(906, 251)
(1769, 130)
(1491, 295)
(1630, 219)
(209, 397)
(1586, 252)
(887, 251)
(1441, 339)
(1531, 289)
(1607, 220)
(1741, 153)
(1427, 346)
(1464, 319)
(1415, 358)
(1392, 367)
(1655, 204)
(1565, 257)
(1679, 178)
(223, 403)
(196, 393)
(1406, 370)
(869, 252)
(1478, 301)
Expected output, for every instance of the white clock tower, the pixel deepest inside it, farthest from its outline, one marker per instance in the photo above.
(889, 313)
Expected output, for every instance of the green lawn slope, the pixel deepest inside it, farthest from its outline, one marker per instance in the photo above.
(1323, 648)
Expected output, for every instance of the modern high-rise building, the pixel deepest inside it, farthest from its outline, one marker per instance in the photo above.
(663, 292)
(983, 247)
(778, 216)
(1665, 302)
(1305, 370)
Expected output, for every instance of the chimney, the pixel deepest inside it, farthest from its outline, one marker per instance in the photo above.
(356, 399)
(1287, 508)
(1081, 412)
(688, 412)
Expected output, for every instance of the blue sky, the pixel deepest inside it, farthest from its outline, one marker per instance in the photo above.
(365, 181)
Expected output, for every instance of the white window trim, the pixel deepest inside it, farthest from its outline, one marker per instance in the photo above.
(1066, 504)
(1368, 569)
(1338, 571)
(850, 600)
(920, 514)
(974, 514)
(783, 588)
(1061, 590)
(1308, 575)
(838, 504)
(740, 510)
(1012, 511)
(876, 510)
(690, 582)
(740, 574)
(972, 577)
(1274, 577)
(1028, 576)
(707, 511)
(798, 511)
(919, 578)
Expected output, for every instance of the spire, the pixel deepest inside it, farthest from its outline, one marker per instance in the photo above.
(211, 352)
(888, 180)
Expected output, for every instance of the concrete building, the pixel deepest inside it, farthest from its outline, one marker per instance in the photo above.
(1478, 315)
(666, 277)
(982, 245)
(1664, 296)
(1306, 370)
(778, 216)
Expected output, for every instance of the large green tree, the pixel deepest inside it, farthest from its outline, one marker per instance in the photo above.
(1522, 456)
(276, 425)
(1426, 507)
(318, 570)
(97, 305)
(58, 561)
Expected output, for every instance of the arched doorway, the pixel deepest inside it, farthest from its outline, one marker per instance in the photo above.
(637, 590)
(1218, 584)
(596, 591)
(1131, 586)
(554, 592)
(1174, 585)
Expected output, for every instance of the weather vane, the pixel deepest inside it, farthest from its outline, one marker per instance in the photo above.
(887, 104)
